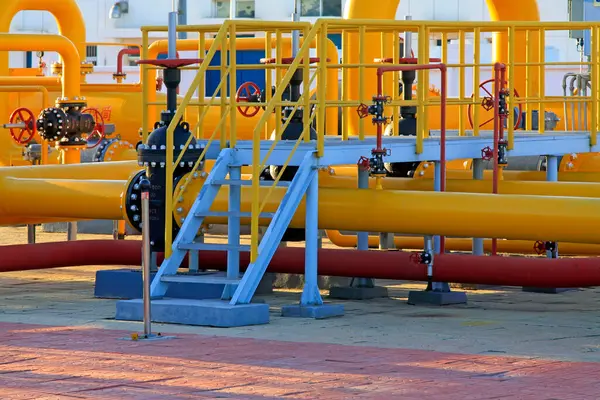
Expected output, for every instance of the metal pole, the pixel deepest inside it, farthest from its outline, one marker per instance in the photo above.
(72, 231)
(296, 34)
(172, 34)
(232, 9)
(478, 167)
(146, 256)
(182, 18)
(30, 234)
(408, 40)
(552, 176)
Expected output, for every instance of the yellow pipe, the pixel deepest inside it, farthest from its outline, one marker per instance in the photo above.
(119, 170)
(461, 244)
(540, 188)
(161, 46)
(66, 199)
(520, 175)
(500, 10)
(450, 214)
(60, 44)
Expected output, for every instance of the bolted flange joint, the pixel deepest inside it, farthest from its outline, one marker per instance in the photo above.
(65, 123)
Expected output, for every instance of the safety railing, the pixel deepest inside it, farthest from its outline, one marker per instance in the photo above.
(224, 40)
(521, 46)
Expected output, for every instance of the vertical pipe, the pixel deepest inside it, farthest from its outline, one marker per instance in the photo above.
(310, 294)
(232, 9)
(172, 34)
(528, 118)
(31, 234)
(478, 167)
(296, 33)
(363, 183)
(145, 77)
(146, 256)
(232, 86)
(361, 78)
(182, 18)
(233, 231)
(542, 87)
(461, 82)
(476, 79)
(510, 121)
(552, 176)
(345, 80)
(437, 186)
(72, 231)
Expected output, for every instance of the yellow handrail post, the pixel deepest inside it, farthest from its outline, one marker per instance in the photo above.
(268, 81)
(421, 90)
(396, 78)
(322, 82)
(425, 84)
(345, 60)
(510, 120)
(461, 82)
(595, 39)
(306, 88)
(542, 79)
(528, 117)
(476, 78)
(145, 89)
(361, 78)
(232, 86)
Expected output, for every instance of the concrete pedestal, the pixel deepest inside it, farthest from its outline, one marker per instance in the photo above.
(357, 293)
(436, 298)
(317, 312)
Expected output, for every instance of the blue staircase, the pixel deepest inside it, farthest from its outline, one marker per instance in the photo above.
(235, 307)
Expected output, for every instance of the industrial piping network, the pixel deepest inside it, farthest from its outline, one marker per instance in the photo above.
(517, 214)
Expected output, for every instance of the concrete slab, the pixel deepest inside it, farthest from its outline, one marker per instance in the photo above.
(358, 293)
(127, 284)
(317, 312)
(421, 297)
(215, 313)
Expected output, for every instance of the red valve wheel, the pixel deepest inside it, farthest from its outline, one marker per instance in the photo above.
(99, 130)
(487, 102)
(244, 94)
(363, 111)
(415, 258)
(540, 247)
(487, 153)
(25, 134)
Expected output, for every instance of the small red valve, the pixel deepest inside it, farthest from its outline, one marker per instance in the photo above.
(415, 258)
(539, 247)
(488, 101)
(246, 93)
(363, 163)
(24, 134)
(99, 129)
(363, 111)
(487, 153)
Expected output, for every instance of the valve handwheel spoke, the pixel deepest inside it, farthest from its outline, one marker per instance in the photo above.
(25, 134)
(246, 93)
(487, 103)
(99, 130)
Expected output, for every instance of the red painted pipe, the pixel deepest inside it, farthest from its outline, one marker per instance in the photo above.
(506, 271)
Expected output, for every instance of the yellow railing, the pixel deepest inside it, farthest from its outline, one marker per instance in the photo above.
(364, 43)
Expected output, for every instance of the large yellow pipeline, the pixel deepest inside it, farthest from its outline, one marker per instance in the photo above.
(461, 244)
(449, 214)
(68, 17)
(119, 170)
(66, 199)
(60, 44)
(500, 10)
(245, 125)
(519, 175)
(539, 188)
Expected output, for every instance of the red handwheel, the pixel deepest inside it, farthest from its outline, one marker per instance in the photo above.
(245, 93)
(487, 102)
(24, 134)
(98, 126)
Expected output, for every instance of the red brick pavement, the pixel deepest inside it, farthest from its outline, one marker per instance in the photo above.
(39, 362)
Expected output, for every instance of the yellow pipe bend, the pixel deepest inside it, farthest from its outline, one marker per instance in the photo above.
(60, 44)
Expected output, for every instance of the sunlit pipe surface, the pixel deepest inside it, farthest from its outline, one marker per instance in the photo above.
(60, 198)
(500, 10)
(520, 175)
(60, 44)
(449, 214)
(161, 46)
(537, 188)
(513, 271)
(120, 170)
(462, 244)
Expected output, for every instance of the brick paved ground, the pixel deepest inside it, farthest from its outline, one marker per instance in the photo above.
(41, 362)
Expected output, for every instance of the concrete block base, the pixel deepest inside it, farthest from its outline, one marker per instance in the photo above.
(95, 227)
(215, 313)
(423, 297)
(127, 284)
(357, 293)
(317, 312)
(546, 290)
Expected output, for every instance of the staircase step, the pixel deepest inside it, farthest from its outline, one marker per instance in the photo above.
(213, 279)
(232, 213)
(211, 246)
(248, 182)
